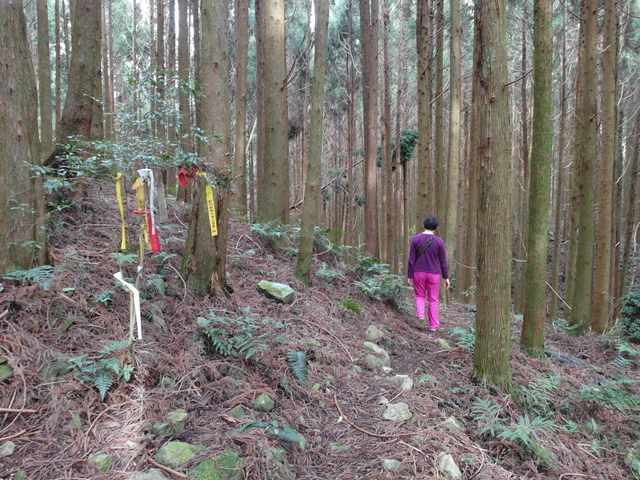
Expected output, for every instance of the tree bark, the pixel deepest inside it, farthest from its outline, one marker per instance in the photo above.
(44, 78)
(241, 55)
(492, 349)
(274, 195)
(204, 262)
(585, 176)
(82, 104)
(312, 186)
(19, 145)
(369, 38)
(535, 275)
(601, 302)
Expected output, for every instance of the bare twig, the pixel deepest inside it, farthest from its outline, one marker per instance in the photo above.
(166, 469)
(17, 410)
(19, 434)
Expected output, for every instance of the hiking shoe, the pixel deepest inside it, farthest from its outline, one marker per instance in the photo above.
(420, 324)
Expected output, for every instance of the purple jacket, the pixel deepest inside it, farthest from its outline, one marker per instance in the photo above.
(432, 260)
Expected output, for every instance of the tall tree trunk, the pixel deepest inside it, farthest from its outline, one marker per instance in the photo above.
(455, 96)
(171, 180)
(260, 103)
(19, 144)
(274, 196)
(582, 289)
(84, 90)
(440, 171)
(312, 187)
(601, 304)
(522, 193)
(184, 108)
(369, 10)
(423, 149)
(535, 275)
(204, 265)
(44, 78)
(560, 180)
(388, 203)
(58, 60)
(491, 151)
(241, 33)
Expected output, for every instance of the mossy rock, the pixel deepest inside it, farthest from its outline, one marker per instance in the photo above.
(174, 454)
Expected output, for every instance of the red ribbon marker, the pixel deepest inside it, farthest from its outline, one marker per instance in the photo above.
(183, 174)
(154, 239)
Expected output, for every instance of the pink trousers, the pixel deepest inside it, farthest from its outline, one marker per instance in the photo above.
(427, 285)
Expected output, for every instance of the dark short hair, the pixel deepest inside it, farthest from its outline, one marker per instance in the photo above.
(431, 222)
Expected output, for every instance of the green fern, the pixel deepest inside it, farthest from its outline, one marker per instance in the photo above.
(124, 258)
(487, 414)
(525, 432)
(42, 276)
(535, 396)
(298, 363)
(466, 337)
(114, 346)
(349, 304)
(103, 382)
(156, 283)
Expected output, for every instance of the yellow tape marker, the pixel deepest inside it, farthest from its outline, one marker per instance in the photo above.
(123, 242)
(210, 205)
(138, 185)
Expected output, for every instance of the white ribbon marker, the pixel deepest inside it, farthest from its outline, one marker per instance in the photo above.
(147, 174)
(136, 301)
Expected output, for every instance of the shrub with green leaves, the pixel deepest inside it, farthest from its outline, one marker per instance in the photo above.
(104, 370)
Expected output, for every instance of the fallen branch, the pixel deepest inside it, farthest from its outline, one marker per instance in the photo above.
(396, 435)
(166, 469)
(17, 410)
(19, 434)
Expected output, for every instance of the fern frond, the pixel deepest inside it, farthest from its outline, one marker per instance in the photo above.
(103, 382)
(42, 276)
(124, 258)
(298, 363)
(156, 283)
(114, 346)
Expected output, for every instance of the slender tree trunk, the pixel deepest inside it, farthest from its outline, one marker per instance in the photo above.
(387, 161)
(453, 168)
(601, 302)
(522, 193)
(312, 188)
(241, 56)
(582, 289)
(369, 37)
(492, 348)
(535, 275)
(440, 177)
(560, 180)
(423, 150)
(184, 109)
(58, 60)
(44, 78)
(170, 83)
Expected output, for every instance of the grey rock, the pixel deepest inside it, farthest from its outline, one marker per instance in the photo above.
(276, 291)
(398, 412)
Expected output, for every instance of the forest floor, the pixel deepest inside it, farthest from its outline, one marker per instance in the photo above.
(573, 416)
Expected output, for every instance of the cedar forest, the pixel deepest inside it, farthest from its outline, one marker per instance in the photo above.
(160, 158)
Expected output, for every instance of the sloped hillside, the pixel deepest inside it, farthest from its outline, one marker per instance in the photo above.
(63, 347)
